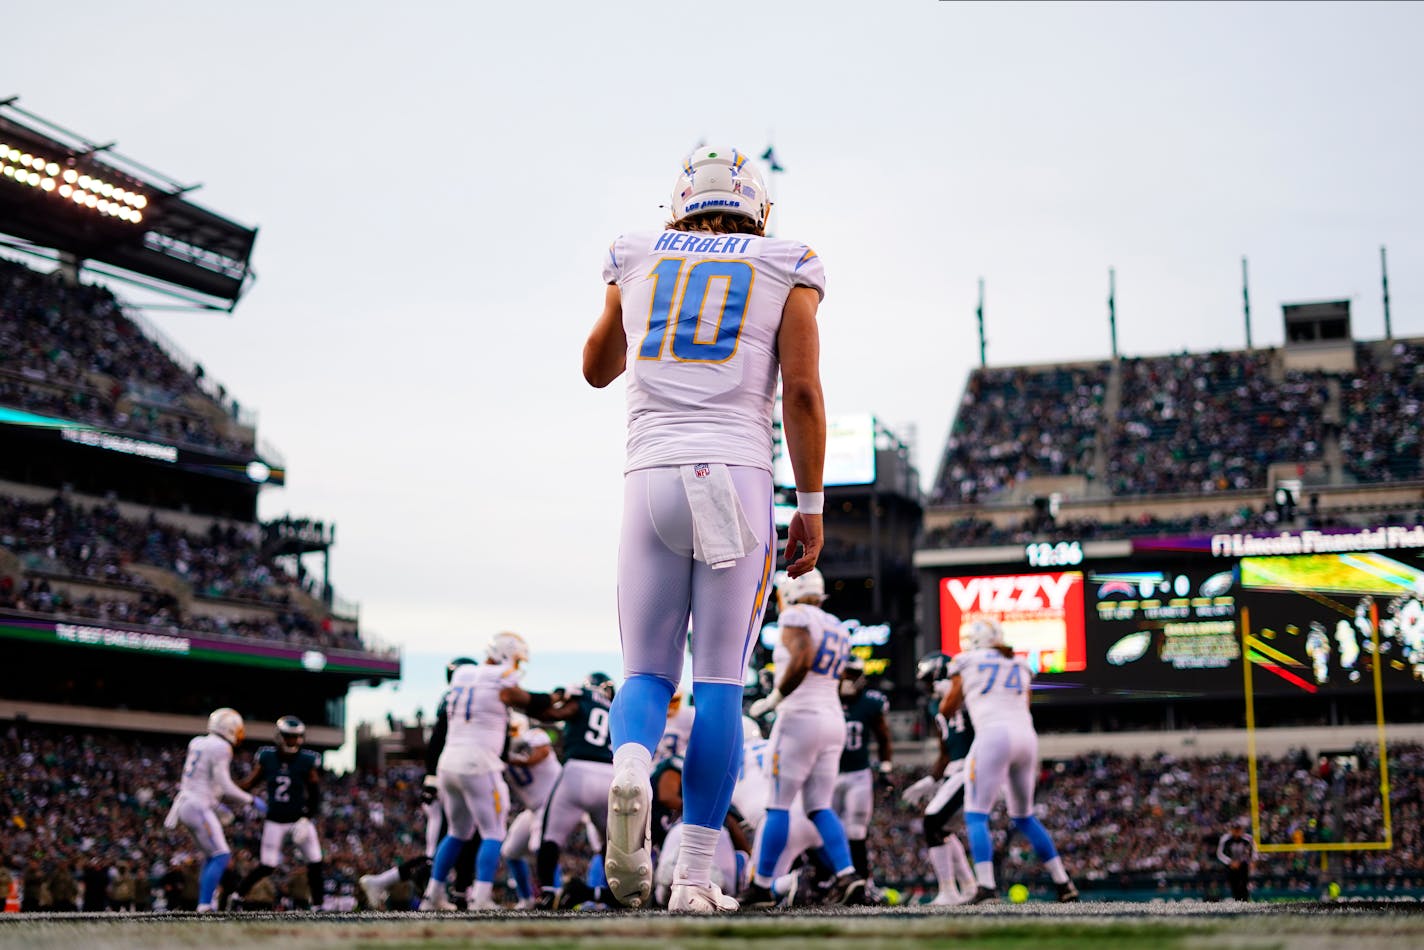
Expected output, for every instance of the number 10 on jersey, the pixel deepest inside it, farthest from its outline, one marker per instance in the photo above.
(683, 303)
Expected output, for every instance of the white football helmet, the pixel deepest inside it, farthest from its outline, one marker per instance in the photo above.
(983, 635)
(751, 732)
(720, 179)
(518, 724)
(507, 648)
(227, 722)
(808, 588)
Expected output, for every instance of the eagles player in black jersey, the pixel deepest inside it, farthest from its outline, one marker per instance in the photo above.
(854, 797)
(292, 776)
(944, 788)
(582, 788)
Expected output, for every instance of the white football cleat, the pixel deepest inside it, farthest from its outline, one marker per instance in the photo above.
(437, 901)
(375, 894)
(704, 899)
(947, 898)
(628, 859)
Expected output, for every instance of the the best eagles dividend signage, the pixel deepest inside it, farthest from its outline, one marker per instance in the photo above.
(187, 646)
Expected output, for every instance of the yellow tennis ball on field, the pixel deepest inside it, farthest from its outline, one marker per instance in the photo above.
(892, 896)
(1018, 894)
(1333, 889)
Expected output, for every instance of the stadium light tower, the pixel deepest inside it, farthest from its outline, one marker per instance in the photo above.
(1384, 283)
(979, 312)
(1112, 310)
(1246, 302)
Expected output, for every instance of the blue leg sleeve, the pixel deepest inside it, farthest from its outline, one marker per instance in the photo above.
(596, 878)
(776, 829)
(523, 882)
(639, 711)
(211, 876)
(486, 860)
(714, 754)
(445, 857)
(833, 839)
(981, 845)
(1037, 836)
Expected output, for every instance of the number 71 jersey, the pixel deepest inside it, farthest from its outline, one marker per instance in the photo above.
(701, 313)
(995, 687)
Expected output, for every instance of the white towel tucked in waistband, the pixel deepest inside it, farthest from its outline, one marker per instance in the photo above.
(720, 530)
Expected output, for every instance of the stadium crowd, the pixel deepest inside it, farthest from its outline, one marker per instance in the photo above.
(70, 351)
(82, 822)
(1381, 408)
(1016, 423)
(1212, 422)
(62, 540)
(1187, 423)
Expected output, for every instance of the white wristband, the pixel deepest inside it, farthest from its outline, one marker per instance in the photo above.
(810, 502)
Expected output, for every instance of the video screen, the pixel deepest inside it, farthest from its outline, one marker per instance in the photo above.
(1042, 615)
(1312, 620)
(1168, 632)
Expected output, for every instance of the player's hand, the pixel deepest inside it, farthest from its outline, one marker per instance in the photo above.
(259, 805)
(882, 774)
(808, 531)
(920, 790)
(765, 705)
(428, 792)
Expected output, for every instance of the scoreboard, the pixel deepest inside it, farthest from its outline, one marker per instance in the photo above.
(1190, 617)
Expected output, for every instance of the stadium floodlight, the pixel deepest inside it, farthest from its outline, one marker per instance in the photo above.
(86, 191)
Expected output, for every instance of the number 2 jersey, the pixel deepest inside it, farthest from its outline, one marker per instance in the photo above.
(820, 690)
(286, 779)
(995, 687)
(701, 313)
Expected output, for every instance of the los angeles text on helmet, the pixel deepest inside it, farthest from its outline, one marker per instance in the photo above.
(1317, 542)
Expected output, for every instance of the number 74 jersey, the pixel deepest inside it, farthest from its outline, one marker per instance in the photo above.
(701, 313)
(995, 687)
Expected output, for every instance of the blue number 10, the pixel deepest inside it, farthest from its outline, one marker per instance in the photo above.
(691, 297)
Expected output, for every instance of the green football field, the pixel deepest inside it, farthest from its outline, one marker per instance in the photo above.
(1090, 926)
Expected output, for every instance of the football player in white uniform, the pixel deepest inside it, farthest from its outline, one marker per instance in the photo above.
(703, 315)
(207, 780)
(994, 686)
(469, 775)
(808, 737)
(531, 769)
(678, 729)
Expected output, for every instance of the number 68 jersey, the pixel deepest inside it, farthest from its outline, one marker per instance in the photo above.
(701, 313)
(995, 687)
(820, 690)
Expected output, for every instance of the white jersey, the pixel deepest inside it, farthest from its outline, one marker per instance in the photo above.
(750, 794)
(207, 772)
(701, 314)
(676, 733)
(477, 721)
(531, 784)
(995, 687)
(820, 690)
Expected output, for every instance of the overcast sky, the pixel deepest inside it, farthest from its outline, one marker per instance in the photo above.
(436, 184)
